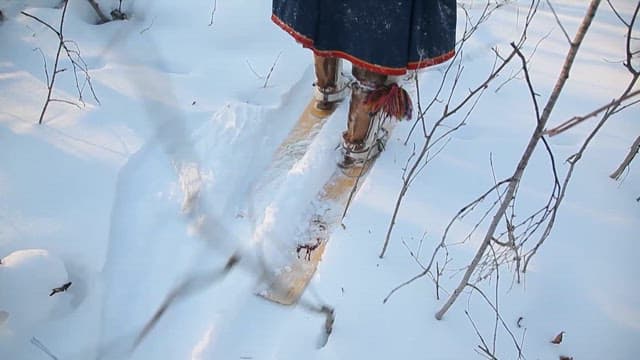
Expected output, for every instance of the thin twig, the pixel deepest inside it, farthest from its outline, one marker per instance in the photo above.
(566, 35)
(148, 27)
(504, 324)
(72, 52)
(575, 158)
(37, 343)
(253, 70)
(65, 102)
(524, 160)
(428, 142)
(628, 63)
(413, 255)
(627, 160)
(615, 11)
(363, 170)
(266, 80)
(42, 21)
(213, 12)
(484, 347)
(58, 33)
(441, 245)
(101, 15)
(579, 119)
(187, 287)
(418, 165)
(44, 62)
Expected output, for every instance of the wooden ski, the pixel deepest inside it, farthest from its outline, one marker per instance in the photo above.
(287, 287)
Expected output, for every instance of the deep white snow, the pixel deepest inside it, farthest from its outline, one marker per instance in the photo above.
(171, 173)
(27, 277)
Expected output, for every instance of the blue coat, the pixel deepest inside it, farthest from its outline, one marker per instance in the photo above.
(385, 36)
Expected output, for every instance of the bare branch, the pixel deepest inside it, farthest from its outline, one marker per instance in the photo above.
(253, 70)
(471, 27)
(524, 160)
(572, 163)
(187, 287)
(579, 119)
(628, 64)
(532, 92)
(148, 27)
(413, 255)
(65, 102)
(484, 347)
(55, 72)
(363, 169)
(101, 15)
(44, 63)
(37, 343)
(441, 245)
(564, 31)
(42, 21)
(266, 80)
(78, 64)
(575, 158)
(615, 11)
(627, 160)
(213, 12)
(417, 165)
(504, 324)
(449, 108)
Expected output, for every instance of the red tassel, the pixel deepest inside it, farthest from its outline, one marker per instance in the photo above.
(392, 100)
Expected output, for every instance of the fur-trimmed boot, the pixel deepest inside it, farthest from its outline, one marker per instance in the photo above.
(330, 87)
(373, 103)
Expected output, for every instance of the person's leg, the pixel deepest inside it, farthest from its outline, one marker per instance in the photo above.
(329, 91)
(361, 128)
(359, 119)
(326, 71)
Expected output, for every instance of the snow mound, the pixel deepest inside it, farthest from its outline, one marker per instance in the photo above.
(26, 280)
(11, 8)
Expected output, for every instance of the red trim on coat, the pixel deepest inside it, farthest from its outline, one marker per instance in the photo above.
(308, 43)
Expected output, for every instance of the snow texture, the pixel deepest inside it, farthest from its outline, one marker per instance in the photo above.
(172, 173)
(27, 277)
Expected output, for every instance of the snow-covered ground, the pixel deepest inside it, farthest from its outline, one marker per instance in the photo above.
(170, 174)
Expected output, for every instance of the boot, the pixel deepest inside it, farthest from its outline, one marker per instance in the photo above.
(330, 86)
(365, 133)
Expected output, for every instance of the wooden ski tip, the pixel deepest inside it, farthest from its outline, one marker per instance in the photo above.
(283, 298)
(288, 286)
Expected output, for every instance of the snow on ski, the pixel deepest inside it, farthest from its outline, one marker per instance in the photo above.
(294, 146)
(326, 211)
